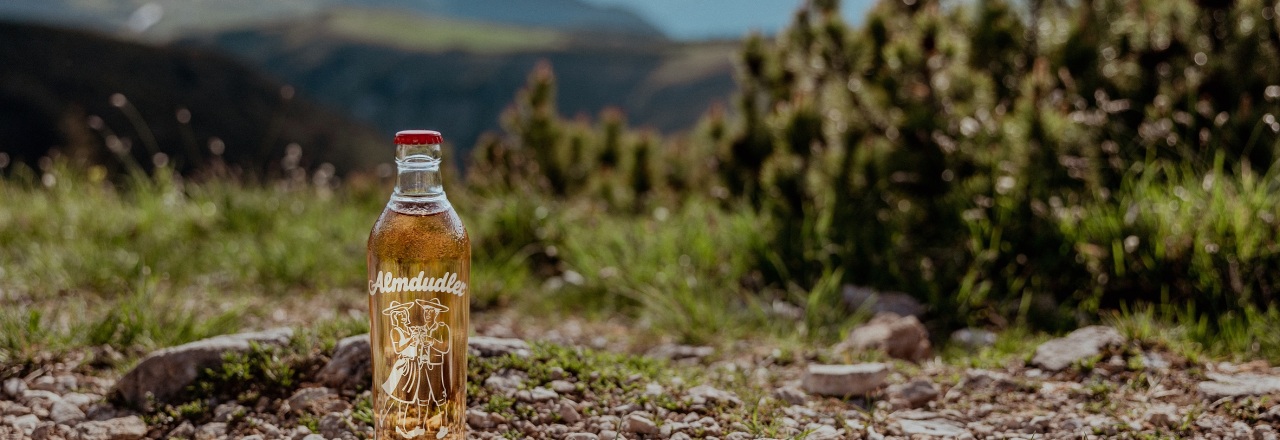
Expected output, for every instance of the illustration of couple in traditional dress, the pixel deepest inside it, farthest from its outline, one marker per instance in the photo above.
(417, 377)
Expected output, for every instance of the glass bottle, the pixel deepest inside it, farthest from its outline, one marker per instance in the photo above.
(419, 259)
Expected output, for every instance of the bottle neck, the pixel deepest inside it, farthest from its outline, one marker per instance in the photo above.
(418, 174)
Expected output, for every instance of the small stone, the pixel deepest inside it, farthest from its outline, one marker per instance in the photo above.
(913, 394)
(486, 346)
(81, 400)
(26, 423)
(350, 364)
(313, 437)
(211, 431)
(184, 430)
(703, 394)
(653, 389)
(582, 436)
(122, 428)
(14, 387)
(899, 337)
(933, 427)
(479, 419)
(63, 412)
(639, 424)
(1162, 416)
(538, 394)
(608, 434)
(251, 437)
(1077, 346)
(568, 413)
(563, 386)
(681, 352)
(791, 395)
(228, 411)
(680, 436)
(55, 431)
(307, 398)
(973, 338)
(844, 380)
(335, 426)
(822, 432)
(1239, 385)
(504, 383)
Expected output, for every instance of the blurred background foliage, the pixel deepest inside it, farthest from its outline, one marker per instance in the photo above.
(1003, 163)
(1034, 165)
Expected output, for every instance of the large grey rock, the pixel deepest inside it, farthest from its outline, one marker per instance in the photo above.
(1079, 345)
(901, 337)
(121, 428)
(165, 373)
(1239, 385)
(844, 380)
(349, 365)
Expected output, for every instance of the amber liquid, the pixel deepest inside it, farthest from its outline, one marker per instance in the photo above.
(418, 333)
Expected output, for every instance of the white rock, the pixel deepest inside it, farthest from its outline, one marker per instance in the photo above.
(165, 373)
(14, 387)
(504, 383)
(26, 424)
(64, 412)
(1162, 416)
(1079, 345)
(933, 427)
(582, 436)
(844, 380)
(822, 432)
(121, 428)
(1244, 384)
(538, 394)
(563, 386)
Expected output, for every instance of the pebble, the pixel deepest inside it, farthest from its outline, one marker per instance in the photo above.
(639, 424)
(582, 436)
(844, 380)
(563, 386)
(64, 412)
(568, 412)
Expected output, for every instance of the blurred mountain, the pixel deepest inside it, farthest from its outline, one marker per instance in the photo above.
(397, 71)
(91, 95)
(162, 19)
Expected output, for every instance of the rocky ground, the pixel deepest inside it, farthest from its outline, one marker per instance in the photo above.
(1093, 383)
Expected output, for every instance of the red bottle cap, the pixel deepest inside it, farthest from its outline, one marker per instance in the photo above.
(418, 137)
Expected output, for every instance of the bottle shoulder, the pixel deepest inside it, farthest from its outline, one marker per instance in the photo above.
(438, 234)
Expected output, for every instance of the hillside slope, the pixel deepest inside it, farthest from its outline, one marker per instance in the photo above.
(175, 101)
(396, 71)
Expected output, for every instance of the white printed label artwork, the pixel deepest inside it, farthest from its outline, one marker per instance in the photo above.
(385, 282)
(421, 340)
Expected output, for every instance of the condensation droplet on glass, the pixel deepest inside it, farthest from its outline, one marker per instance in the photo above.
(1201, 58)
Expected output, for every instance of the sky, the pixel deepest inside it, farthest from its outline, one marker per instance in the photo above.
(699, 19)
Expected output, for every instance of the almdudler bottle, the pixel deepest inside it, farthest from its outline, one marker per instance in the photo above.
(419, 275)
